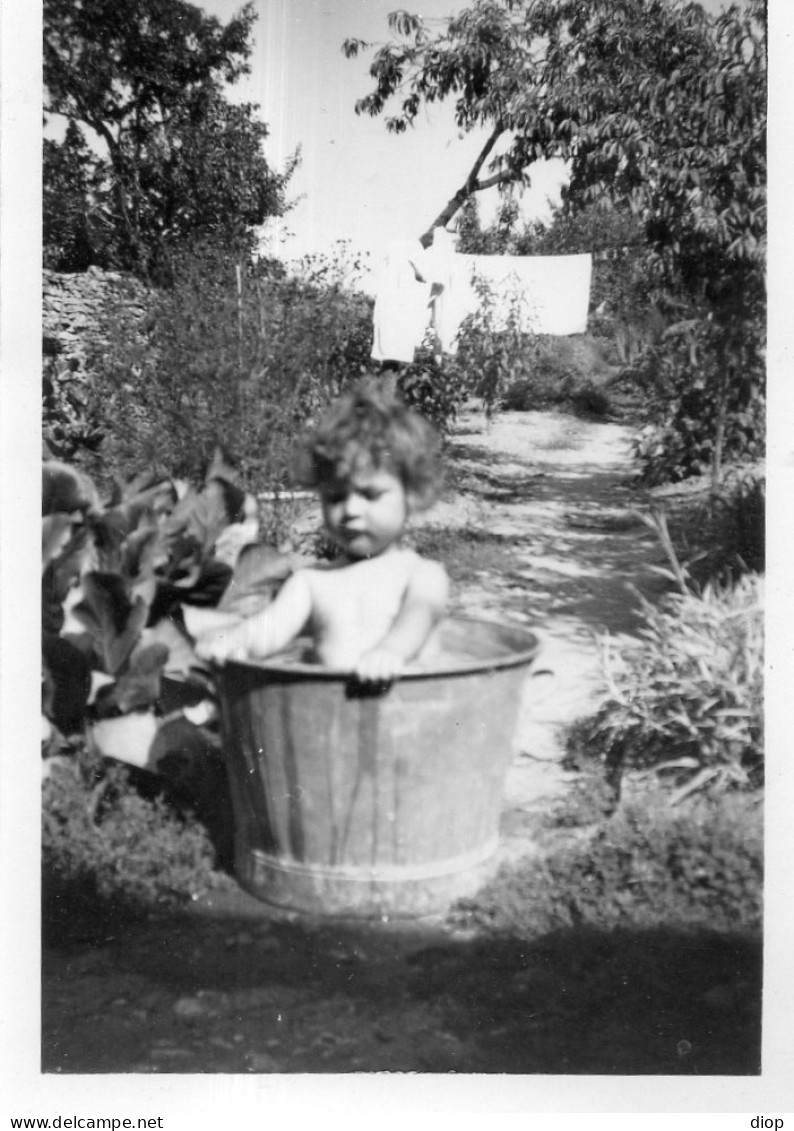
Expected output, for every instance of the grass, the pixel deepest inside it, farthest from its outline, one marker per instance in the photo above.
(118, 844)
(645, 867)
(465, 553)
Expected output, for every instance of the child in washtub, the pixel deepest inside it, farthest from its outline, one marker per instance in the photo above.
(374, 608)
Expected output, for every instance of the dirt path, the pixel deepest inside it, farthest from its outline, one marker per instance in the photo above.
(559, 491)
(235, 989)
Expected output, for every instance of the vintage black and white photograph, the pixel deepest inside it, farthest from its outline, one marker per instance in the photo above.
(403, 452)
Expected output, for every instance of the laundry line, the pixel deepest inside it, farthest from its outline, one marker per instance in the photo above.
(438, 288)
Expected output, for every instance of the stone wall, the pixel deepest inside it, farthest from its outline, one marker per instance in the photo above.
(76, 307)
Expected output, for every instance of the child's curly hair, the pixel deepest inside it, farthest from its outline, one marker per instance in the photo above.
(371, 428)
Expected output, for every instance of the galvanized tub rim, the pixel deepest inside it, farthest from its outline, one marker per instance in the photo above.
(283, 665)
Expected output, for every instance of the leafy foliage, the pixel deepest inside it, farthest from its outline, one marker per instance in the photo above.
(643, 97)
(119, 672)
(436, 387)
(245, 366)
(701, 413)
(686, 703)
(570, 373)
(74, 236)
(114, 580)
(493, 353)
(178, 161)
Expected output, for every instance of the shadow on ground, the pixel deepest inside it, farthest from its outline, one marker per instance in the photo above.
(198, 994)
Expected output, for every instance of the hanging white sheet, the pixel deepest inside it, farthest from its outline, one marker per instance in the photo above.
(548, 294)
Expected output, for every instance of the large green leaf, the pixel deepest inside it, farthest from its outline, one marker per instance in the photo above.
(56, 534)
(182, 753)
(67, 678)
(139, 685)
(199, 518)
(60, 572)
(142, 497)
(210, 584)
(114, 621)
(143, 555)
(181, 659)
(259, 573)
(128, 738)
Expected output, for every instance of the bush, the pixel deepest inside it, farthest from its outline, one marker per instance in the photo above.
(437, 389)
(246, 367)
(589, 400)
(648, 866)
(683, 445)
(686, 703)
(723, 535)
(704, 401)
(493, 350)
(563, 373)
(116, 577)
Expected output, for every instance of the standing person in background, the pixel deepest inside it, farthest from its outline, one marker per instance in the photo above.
(400, 316)
(439, 269)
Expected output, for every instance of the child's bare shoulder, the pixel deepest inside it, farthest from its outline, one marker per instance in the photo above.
(430, 578)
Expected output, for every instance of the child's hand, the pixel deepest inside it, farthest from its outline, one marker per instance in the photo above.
(379, 665)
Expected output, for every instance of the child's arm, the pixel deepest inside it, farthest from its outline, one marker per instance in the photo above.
(424, 604)
(265, 633)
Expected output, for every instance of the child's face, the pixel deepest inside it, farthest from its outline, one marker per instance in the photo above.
(365, 512)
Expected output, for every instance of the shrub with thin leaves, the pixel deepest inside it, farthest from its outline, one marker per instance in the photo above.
(686, 702)
(245, 360)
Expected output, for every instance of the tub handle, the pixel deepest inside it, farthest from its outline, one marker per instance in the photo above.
(550, 674)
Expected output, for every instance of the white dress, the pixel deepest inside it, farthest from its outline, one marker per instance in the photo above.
(401, 313)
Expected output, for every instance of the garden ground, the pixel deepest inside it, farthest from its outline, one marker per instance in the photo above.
(539, 511)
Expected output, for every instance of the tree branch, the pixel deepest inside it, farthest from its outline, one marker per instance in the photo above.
(470, 186)
(486, 149)
(502, 178)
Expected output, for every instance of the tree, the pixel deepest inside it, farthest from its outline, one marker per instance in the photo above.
(205, 178)
(653, 103)
(147, 78)
(73, 235)
(642, 97)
